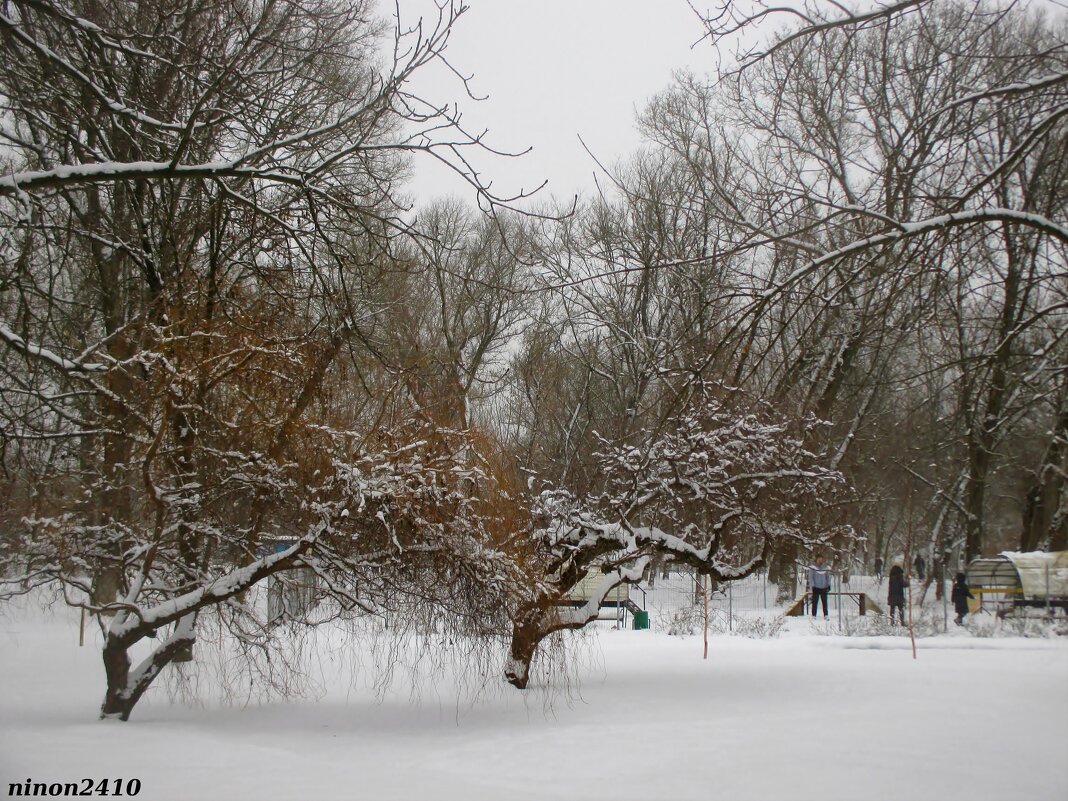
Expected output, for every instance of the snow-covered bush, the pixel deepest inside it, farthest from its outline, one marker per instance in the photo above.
(1016, 625)
(690, 619)
(870, 625)
(759, 627)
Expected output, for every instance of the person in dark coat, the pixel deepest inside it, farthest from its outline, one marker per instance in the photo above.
(960, 594)
(879, 568)
(896, 594)
(921, 566)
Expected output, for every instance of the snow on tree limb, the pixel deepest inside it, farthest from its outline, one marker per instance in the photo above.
(904, 231)
(19, 344)
(80, 175)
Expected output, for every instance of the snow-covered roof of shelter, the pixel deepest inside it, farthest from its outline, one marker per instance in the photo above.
(1036, 568)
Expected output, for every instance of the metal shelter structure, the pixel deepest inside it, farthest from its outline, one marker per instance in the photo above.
(1012, 580)
(620, 600)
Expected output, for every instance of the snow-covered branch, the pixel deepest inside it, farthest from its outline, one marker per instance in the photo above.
(47, 356)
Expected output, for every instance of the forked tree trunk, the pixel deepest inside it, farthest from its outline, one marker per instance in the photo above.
(118, 702)
(126, 686)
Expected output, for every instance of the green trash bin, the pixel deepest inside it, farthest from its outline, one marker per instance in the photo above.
(641, 620)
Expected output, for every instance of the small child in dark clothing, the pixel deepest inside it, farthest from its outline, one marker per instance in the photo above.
(960, 595)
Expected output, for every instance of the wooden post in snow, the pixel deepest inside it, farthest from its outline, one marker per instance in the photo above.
(704, 596)
(908, 530)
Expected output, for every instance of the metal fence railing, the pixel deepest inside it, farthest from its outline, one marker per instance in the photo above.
(675, 599)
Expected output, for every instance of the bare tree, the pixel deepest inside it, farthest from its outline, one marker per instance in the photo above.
(459, 304)
(717, 489)
(897, 176)
(198, 202)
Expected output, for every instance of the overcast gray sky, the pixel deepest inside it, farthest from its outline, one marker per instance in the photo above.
(557, 69)
(554, 70)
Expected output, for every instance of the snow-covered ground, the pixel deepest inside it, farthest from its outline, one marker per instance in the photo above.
(810, 714)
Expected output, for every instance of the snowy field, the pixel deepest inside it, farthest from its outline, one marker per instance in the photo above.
(810, 714)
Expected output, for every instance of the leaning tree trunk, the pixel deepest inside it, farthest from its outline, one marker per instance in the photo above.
(125, 686)
(543, 616)
(527, 634)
